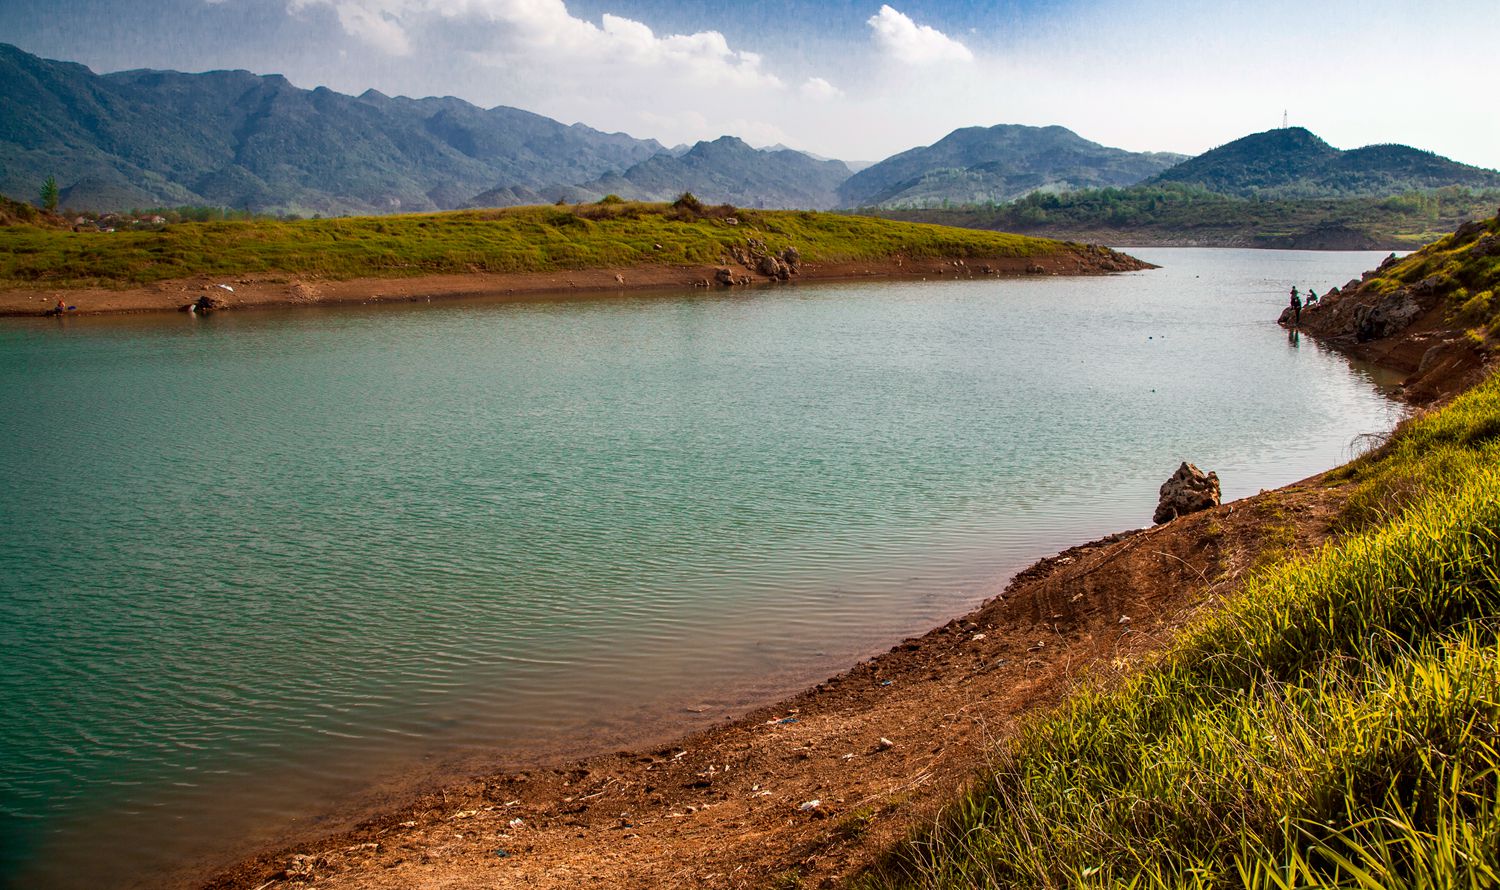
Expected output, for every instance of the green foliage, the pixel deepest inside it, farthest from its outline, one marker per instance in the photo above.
(521, 239)
(14, 213)
(1335, 724)
(611, 199)
(1192, 214)
(49, 194)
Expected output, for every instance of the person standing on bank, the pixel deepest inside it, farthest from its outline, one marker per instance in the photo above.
(1296, 307)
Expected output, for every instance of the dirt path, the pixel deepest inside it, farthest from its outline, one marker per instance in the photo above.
(263, 291)
(806, 792)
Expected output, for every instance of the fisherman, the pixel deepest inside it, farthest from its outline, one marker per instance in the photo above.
(1312, 297)
(1296, 308)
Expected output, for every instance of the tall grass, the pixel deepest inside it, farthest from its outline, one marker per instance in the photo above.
(522, 239)
(1334, 725)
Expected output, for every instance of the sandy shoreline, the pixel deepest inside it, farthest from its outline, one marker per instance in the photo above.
(276, 290)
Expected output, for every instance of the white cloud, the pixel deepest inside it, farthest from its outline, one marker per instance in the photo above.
(906, 41)
(543, 32)
(374, 27)
(820, 89)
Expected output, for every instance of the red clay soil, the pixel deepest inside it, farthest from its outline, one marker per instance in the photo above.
(811, 790)
(260, 291)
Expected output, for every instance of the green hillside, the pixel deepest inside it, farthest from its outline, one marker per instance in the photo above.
(1294, 163)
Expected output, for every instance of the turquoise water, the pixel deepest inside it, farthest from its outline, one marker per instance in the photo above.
(254, 563)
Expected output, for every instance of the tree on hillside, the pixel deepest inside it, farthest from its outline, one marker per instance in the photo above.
(49, 194)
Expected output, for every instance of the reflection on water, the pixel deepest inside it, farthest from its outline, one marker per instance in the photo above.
(254, 562)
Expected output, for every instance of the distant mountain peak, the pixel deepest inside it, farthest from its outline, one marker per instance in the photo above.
(997, 163)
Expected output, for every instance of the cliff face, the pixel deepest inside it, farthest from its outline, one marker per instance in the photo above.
(1433, 314)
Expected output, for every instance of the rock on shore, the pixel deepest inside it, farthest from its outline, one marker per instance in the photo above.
(1188, 491)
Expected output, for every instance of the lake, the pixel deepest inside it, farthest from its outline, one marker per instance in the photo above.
(257, 564)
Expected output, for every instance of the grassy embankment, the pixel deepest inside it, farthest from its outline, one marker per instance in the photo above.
(522, 239)
(1180, 214)
(1336, 723)
(1465, 272)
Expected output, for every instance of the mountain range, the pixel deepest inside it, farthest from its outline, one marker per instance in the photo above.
(257, 142)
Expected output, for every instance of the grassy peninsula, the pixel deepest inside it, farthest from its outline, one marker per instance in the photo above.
(610, 234)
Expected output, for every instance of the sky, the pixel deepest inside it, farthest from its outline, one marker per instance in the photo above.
(848, 79)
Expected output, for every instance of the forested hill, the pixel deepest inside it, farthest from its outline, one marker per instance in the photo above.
(1294, 163)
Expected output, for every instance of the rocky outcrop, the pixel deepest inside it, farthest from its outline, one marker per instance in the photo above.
(1426, 314)
(1391, 314)
(1188, 491)
(756, 256)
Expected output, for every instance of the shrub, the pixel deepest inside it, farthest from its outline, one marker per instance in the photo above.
(689, 202)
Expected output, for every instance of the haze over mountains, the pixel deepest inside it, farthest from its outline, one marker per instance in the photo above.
(246, 141)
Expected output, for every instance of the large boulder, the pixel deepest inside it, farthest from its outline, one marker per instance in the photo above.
(1486, 246)
(1188, 491)
(1388, 315)
(1470, 230)
(771, 267)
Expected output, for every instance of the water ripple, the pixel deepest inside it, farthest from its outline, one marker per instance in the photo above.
(255, 562)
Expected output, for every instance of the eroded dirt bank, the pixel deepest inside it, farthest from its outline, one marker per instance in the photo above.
(817, 785)
(262, 291)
